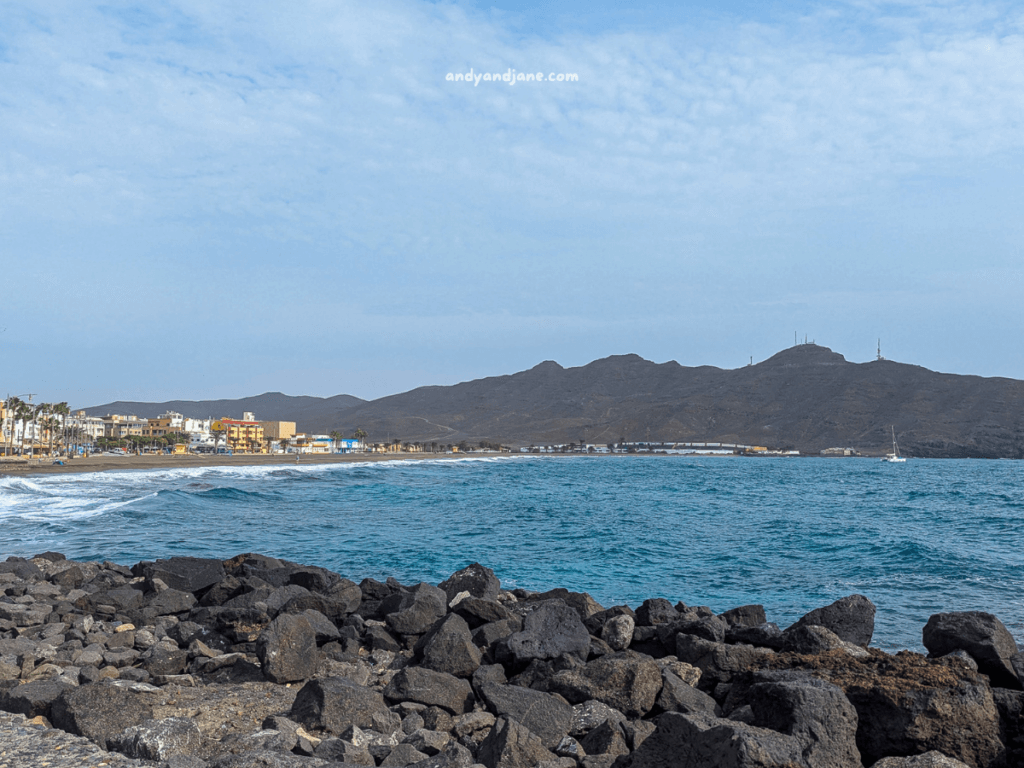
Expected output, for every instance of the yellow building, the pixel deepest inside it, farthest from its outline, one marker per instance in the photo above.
(243, 436)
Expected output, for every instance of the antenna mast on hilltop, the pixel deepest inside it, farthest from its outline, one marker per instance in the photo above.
(880, 350)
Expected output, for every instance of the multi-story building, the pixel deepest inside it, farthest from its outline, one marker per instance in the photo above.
(117, 426)
(164, 424)
(244, 435)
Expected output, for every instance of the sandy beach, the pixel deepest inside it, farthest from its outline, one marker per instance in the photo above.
(101, 463)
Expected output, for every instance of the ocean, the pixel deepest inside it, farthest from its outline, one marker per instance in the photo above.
(791, 534)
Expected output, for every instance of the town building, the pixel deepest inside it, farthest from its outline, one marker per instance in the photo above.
(117, 426)
(244, 435)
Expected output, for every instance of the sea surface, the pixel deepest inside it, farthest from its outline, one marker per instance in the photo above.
(792, 534)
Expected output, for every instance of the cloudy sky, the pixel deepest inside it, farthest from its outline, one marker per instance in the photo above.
(203, 201)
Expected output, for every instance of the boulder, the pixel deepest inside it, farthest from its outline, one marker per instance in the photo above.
(627, 681)
(402, 755)
(655, 611)
(450, 648)
(982, 635)
(335, 704)
(479, 581)
(551, 630)
(744, 616)
(100, 712)
(287, 649)
(265, 758)
(590, 714)
(188, 574)
(425, 686)
(478, 612)
(814, 712)
(705, 741)
(545, 715)
(618, 632)
(931, 759)
(852, 618)
(718, 662)
(414, 611)
(767, 635)
(810, 639)
(608, 738)
(159, 739)
(511, 745)
(32, 699)
(677, 696)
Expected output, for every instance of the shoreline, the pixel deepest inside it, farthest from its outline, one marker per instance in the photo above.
(158, 461)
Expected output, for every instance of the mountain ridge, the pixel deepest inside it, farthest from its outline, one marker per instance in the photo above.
(806, 397)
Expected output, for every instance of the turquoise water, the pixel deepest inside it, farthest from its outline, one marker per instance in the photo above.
(793, 534)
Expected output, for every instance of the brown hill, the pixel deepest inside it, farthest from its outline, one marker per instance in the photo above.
(270, 406)
(805, 397)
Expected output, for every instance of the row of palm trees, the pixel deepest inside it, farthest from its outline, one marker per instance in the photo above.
(49, 417)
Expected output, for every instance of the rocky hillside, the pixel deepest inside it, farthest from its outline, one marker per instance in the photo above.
(806, 397)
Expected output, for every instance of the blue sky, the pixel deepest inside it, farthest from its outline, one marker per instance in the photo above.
(204, 201)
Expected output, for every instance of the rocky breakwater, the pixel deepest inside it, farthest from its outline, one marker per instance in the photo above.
(253, 661)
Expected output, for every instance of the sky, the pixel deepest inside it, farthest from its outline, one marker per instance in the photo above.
(218, 200)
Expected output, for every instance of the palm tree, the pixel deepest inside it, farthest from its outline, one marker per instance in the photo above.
(13, 405)
(359, 434)
(336, 438)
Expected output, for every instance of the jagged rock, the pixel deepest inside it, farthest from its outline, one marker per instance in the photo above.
(704, 741)
(982, 635)
(718, 662)
(707, 628)
(32, 699)
(511, 745)
(931, 759)
(677, 696)
(852, 618)
(22, 569)
(336, 703)
(100, 712)
(810, 638)
(188, 574)
(478, 612)
(427, 741)
(767, 635)
(488, 673)
(479, 581)
(908, 705)
(553, 629)
(744, 616)
(402, 755)
(414, 611)
(164, 659)
(159, 739)
(450, 648)
(607, 739)
(590, 714)
(344, 751)
(489, 635)
(581, 602)
(267, 759)
(471, 722)
(627, 681)
(287, 649)
(655, 611)
(546, 716)
(814, 712)
(618, 632)
(431, 688)
(596, 622)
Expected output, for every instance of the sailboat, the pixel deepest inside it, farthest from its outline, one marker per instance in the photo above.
(894, 457)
